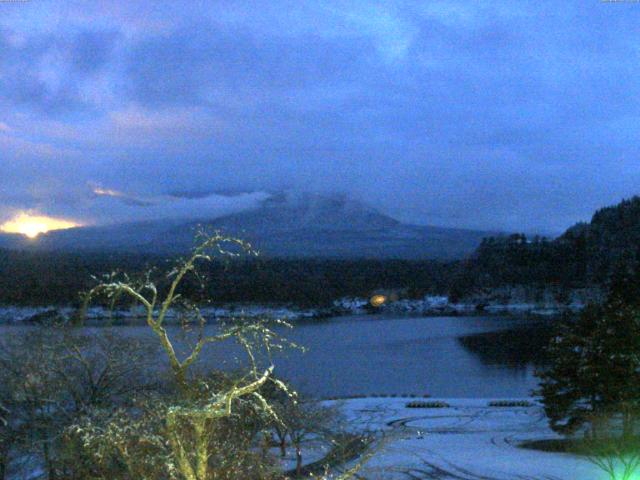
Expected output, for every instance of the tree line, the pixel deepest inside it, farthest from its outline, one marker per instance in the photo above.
(584, 256)
(39, 278)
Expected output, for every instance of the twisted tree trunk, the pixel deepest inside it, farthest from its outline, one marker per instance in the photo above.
(298, 461)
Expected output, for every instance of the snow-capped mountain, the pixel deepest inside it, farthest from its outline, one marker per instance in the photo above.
(284, 225)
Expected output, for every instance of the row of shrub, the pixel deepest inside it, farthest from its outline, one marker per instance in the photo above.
(494, 403)
(437, 404)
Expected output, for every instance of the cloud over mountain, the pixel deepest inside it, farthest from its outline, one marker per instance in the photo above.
(492, 115)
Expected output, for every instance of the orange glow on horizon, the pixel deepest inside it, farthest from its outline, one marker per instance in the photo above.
(33, 225)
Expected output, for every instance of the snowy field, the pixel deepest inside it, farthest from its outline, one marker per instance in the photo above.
(468, 441)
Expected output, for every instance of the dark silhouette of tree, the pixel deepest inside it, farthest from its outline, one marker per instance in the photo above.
(595, 372)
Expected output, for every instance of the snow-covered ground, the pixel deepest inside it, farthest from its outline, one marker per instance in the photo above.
(311, 452)
(441, 305)
(246, 311)
(15, 314)
(468, 441)
(11, 314)
(430, 305)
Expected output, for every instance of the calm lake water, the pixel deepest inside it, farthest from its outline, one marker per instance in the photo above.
(373, 354)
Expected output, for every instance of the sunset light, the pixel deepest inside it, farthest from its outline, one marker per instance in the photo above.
(33, 225)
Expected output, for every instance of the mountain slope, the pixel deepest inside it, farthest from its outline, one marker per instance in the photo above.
(611, 238)
(585, 256)
(285, 225)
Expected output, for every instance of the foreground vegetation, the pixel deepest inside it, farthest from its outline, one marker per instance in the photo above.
(80, 406)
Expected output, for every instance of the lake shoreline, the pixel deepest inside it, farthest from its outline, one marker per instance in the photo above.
(427, 307)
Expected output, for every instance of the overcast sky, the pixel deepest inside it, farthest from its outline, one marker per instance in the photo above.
(513, 115)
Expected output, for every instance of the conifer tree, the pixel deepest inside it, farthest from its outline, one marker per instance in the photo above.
(595, 372)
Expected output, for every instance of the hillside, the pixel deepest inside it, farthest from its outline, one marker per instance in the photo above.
(586, 255)
(285, 225)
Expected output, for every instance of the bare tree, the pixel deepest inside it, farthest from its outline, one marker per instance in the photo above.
(50, 375)
(182, 440)
(308, 422)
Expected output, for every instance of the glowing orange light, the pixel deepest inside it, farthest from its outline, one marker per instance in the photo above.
(377, 300)
(33, 225)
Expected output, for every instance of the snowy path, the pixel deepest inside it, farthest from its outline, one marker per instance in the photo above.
(469, 441)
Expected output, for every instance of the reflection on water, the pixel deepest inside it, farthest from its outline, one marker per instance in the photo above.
(442, 356)
(517, 347)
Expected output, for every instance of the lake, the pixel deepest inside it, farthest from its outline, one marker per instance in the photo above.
(375, 354)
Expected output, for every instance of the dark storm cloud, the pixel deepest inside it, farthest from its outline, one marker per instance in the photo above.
(45, 71)
(198, 63)
(517, 116)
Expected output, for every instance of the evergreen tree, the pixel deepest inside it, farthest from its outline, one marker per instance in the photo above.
(567, 388)
(595, 372)
(618, 336)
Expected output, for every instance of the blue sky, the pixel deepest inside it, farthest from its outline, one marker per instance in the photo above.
(495, 115)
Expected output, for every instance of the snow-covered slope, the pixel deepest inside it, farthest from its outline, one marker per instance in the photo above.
(286, 225)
